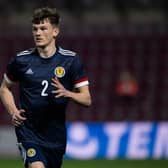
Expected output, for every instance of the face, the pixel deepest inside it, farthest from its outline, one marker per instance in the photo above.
(44, 33)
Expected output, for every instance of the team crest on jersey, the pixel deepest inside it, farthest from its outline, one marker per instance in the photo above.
(59, 71)
(31, 152)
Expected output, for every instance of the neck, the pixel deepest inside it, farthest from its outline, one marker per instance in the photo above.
(47, 51)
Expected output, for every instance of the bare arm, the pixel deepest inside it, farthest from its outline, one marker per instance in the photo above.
(9, 103)
(82, 95)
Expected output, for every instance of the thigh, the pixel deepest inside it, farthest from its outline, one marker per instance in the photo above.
(33, 155)
(36, 164)
(54, 157)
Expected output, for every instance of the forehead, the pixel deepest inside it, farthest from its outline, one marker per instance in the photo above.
(44, 22)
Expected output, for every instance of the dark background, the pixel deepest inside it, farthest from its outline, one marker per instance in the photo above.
(112, 36)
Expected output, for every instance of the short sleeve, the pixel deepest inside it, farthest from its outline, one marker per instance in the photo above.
(12, 74)
(78, 74)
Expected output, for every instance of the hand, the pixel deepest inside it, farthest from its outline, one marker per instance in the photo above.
(60, 90)
(18, 117)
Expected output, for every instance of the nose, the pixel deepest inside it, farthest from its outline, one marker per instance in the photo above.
(37, 32)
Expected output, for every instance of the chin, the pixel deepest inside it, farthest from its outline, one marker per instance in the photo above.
(40, 45)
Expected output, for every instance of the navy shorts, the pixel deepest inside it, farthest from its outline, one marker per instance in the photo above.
(50, 157)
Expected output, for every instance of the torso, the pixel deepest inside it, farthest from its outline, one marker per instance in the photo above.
(45, 113)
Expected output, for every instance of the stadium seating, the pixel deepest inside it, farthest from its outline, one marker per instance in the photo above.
(105, 57)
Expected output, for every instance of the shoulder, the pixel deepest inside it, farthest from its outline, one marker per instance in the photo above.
(66, 52)
(25, 56)
(25, 52)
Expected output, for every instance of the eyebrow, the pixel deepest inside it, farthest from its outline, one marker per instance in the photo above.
(38, 25)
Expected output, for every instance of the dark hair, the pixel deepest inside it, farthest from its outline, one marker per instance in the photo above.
(43, 13)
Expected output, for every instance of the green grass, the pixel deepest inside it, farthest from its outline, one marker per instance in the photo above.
(16, 163)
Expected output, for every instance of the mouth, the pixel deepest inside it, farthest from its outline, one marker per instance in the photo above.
(38, 40)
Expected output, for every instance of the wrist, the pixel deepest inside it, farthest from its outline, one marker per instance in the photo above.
(12, 112)
(69, 94)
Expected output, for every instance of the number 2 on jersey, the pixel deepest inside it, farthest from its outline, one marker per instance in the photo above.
(45, 84)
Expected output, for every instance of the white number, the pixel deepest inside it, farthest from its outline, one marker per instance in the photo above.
(45, 83)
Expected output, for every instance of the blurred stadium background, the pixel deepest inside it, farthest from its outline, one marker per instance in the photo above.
(113, 37)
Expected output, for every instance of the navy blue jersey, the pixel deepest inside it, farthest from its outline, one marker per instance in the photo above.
(45, 124)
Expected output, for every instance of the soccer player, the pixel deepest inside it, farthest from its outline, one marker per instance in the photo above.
(48, 77)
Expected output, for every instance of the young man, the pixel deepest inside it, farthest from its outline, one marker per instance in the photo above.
(47, 77)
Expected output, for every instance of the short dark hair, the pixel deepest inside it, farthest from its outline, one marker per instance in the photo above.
(43, 13)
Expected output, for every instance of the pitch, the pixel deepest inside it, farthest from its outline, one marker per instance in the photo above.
(17, 163)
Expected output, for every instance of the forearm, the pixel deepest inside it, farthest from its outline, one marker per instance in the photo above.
(80, 98)
(8, 100)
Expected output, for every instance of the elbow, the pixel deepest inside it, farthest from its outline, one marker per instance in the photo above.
(1, 91)
(89, 102)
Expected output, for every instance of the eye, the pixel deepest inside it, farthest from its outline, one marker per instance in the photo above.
(43, 28)
(34, 29)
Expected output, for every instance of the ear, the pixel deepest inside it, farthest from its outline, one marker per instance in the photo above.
(56, 32)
